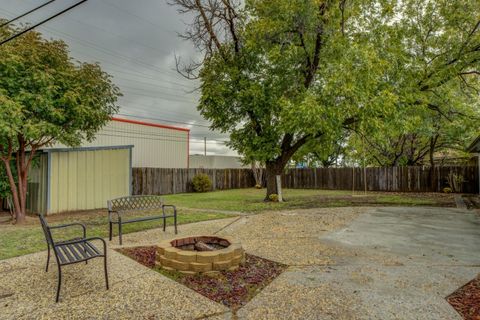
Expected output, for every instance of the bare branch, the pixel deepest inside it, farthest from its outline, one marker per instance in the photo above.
(213, 29)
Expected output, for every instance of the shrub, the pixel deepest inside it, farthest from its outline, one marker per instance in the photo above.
(447, 190)
(273, 197)
(258, 186)
(201, 183)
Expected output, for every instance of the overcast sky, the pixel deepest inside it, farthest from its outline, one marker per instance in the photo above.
(135, 42)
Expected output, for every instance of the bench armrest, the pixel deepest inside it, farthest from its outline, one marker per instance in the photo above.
(119, 215)
(71, 225)
(169, 206)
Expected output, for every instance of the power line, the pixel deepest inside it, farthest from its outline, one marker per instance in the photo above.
(103, 49)
(110, 53)
(134, 15)
(151, 84)
(148, 108)
(140, 74)
(41, 22)
(26, 13)
(156, 134)
(120, 36)
(164, 120)
(157, 97)
(157, 91)
(160, 134)
(156, 139)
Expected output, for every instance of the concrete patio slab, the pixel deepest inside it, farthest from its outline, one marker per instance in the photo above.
(344, 263)
(396, 263)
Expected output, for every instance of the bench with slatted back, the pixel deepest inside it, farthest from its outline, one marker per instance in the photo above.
(117, 208)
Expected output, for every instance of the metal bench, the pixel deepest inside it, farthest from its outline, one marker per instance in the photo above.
(132, 204)
(73, 250)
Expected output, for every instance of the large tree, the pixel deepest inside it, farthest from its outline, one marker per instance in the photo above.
(279, 74)
(45, 97)
(415, 138)
(435, 49)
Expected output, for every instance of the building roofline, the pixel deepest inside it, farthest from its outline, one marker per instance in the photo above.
(86, 148)
(150, 124)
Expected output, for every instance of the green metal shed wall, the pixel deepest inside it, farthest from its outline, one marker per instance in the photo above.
(85, 179)
(38, 185)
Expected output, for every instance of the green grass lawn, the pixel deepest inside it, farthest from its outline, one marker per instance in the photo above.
(251, 200)
(19, 240)
(29, 238)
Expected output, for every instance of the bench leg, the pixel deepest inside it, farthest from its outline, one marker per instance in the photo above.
(164, 223)
(110, 231)
(175, 221)
(120, 231)
(105, 268)
(48, 257)
(59, 282)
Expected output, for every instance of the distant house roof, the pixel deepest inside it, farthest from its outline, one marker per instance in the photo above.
(474, 147)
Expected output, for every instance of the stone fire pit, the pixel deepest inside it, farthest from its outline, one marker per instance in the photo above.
(200, 254)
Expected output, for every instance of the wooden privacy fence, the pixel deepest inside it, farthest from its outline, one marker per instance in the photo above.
(395, 179)
(147, 181)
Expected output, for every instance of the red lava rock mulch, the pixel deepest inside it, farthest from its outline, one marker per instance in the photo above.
(466, 300)
(143, 255)
(231, 288)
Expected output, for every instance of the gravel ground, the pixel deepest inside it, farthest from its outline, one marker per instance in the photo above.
(337, 270)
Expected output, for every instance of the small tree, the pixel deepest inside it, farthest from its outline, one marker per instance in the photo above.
(45, 98)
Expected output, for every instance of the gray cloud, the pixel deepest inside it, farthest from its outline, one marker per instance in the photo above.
(135, 41)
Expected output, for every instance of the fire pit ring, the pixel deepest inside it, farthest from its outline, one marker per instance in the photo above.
(200, 254)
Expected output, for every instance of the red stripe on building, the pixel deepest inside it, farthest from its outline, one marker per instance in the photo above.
(150, 124)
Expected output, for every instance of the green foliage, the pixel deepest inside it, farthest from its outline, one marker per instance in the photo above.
(46, 97)
(5, 191)
(306, 71)
(201, 183)
(262, 98)
(435, 62)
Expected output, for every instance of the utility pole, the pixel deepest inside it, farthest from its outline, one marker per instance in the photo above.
(40, 23)
(205, 146)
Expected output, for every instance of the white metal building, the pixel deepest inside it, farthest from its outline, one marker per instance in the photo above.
(154, 145)
(216, 162)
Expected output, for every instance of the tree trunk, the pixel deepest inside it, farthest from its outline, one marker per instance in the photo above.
(273, 168)
(431, 151)
(19, 190)
(13, 188)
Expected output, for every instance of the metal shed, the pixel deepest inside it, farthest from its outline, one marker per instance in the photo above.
(70, 179)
